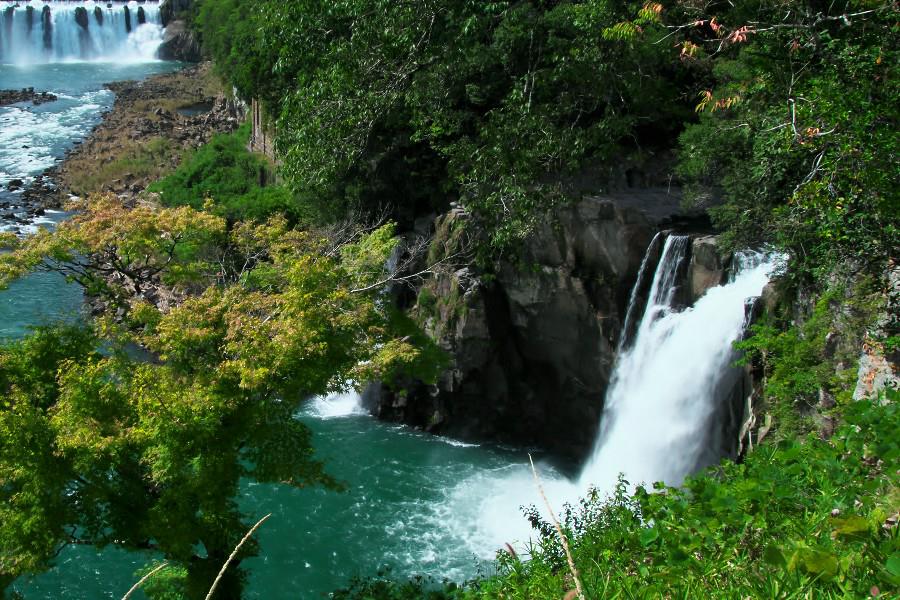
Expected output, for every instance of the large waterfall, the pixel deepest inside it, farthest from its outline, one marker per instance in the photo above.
(666, 387)
(658, 418)
(59, 31)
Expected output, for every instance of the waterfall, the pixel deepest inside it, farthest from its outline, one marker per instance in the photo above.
(61, 31)
(666, 387)
(658, 422)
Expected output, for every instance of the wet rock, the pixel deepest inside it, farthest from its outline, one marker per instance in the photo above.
(15, 184)
(81, 17)
(707, 267)
(25, 95)
(47, 27)
(532, 349)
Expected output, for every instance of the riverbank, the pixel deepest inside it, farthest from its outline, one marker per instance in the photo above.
(152, 124)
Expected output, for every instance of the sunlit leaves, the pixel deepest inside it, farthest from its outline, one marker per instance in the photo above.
(102, 448)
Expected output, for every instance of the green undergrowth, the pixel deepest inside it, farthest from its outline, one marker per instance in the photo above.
(800, 518)
(235, 183)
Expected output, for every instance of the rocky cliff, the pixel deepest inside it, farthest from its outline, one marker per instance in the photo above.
(179, 43)
(532, 346)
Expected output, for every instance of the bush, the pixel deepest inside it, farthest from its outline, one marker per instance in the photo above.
(236, 181)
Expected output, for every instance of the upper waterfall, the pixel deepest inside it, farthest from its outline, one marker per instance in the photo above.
(59, 31)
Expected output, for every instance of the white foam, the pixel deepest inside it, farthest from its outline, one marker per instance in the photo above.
(335, 406)
(31, 140)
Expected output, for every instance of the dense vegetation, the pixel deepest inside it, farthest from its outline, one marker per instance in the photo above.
(239, 185)
(778, 117)
(783, 115)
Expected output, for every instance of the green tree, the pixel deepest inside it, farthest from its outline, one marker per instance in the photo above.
(98, 448)
(797, 132)
(500, 105)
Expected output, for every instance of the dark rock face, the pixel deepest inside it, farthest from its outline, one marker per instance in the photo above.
(127, 19)
(98, 15)
(141, 15)
(81, 17)
(532, 350)
(47, 27)
(29, 18)
(169, 9)
(179, 43)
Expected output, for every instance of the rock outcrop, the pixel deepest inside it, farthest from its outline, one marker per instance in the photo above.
(25, 95)
(263, 131)
(170, 9)
(179, 43)
(707, 267)
(532, 348)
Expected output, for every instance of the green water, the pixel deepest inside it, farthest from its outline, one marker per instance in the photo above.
(415, 503)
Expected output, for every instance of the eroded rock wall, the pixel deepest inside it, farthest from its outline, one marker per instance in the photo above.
(532, 348)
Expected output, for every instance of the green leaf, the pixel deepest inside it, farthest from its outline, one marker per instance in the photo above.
(648, 536)
(892, 565)
(851, 527)
(774, 556)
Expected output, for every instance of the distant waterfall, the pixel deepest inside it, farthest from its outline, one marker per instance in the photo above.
(666, 386)
(59, 31)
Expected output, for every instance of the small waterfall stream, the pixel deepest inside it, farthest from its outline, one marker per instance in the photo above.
(61, 31)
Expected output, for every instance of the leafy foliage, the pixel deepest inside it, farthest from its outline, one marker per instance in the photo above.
(414, 104)
(230, 181)
(99, 448)
(797, 131)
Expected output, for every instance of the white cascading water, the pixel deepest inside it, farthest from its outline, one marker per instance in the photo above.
(658, 410)
(663, 393)
(41, 32)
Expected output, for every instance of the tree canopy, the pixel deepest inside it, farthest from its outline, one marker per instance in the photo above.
(786, 110)
(100, 448)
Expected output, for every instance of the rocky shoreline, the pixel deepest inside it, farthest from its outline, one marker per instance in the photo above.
(162, 107)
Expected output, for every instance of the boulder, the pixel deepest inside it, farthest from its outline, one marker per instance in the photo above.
(179, 43)
(81, 17)
(707, 266)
